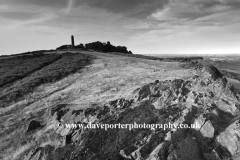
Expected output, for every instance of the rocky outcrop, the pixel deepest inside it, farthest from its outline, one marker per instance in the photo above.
(213, 72)
(187, 149)
(34, 125)
(208, 101)
(106, 47)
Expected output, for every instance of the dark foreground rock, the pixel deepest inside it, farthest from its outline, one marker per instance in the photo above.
(34, 125)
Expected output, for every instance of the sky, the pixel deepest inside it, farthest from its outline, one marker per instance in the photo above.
(143, 26)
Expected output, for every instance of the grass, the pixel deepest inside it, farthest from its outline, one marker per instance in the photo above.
(13, 69)
(170, 59)
(18, 152)
(109, 77)
(30, 72)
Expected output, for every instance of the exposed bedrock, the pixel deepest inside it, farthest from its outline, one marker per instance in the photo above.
(207, 100)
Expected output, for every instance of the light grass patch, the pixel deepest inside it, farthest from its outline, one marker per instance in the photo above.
(17, 153)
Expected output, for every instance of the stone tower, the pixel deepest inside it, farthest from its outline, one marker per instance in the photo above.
(72, 41)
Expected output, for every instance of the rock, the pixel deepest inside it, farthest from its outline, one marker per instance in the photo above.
(209, 94)
(123, 103)
(60, 111)
(40, 153)
(151, 144)
(229, 140)
(120, 103)
(172, 156)
(227, 106)
(68, 139)
(142, 93)
(90, 111)
(76, 135)
(212, 156)
(159, 151)
(77, 112)
(63, 131)
(34, 125)
(36, 156)
(123, 154)
(136, 155)
(128, 150)
(160, 102)
(188, 149)
(200, 121)
(213, 71)
(207, 129)
(162, 148)
(103, 112)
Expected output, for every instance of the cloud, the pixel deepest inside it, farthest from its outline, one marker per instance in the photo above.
(70, 5)
(133, 22)
(192, 22)
(17, 15)
(196, 11)
(129, 8)
(39, 3)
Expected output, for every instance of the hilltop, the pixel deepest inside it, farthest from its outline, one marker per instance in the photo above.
(97, 46)
(41, 89)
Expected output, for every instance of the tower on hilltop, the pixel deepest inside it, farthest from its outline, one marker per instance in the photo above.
(72, 38)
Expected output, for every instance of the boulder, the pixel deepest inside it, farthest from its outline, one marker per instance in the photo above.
(200, 121)
(212, 156)
(207, 130)
(229, 140)
(34, 125)
(213, 71)
(188, 149)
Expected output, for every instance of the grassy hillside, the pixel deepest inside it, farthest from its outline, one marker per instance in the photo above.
(108, 77)
(20, 75)
(12, 69)
(112, 88)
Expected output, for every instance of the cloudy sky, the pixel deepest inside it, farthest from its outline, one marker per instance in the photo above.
(144, 26)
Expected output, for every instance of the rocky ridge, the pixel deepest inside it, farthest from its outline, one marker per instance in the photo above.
(207, 99)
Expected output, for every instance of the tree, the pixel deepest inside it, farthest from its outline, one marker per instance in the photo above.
(81, 45)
